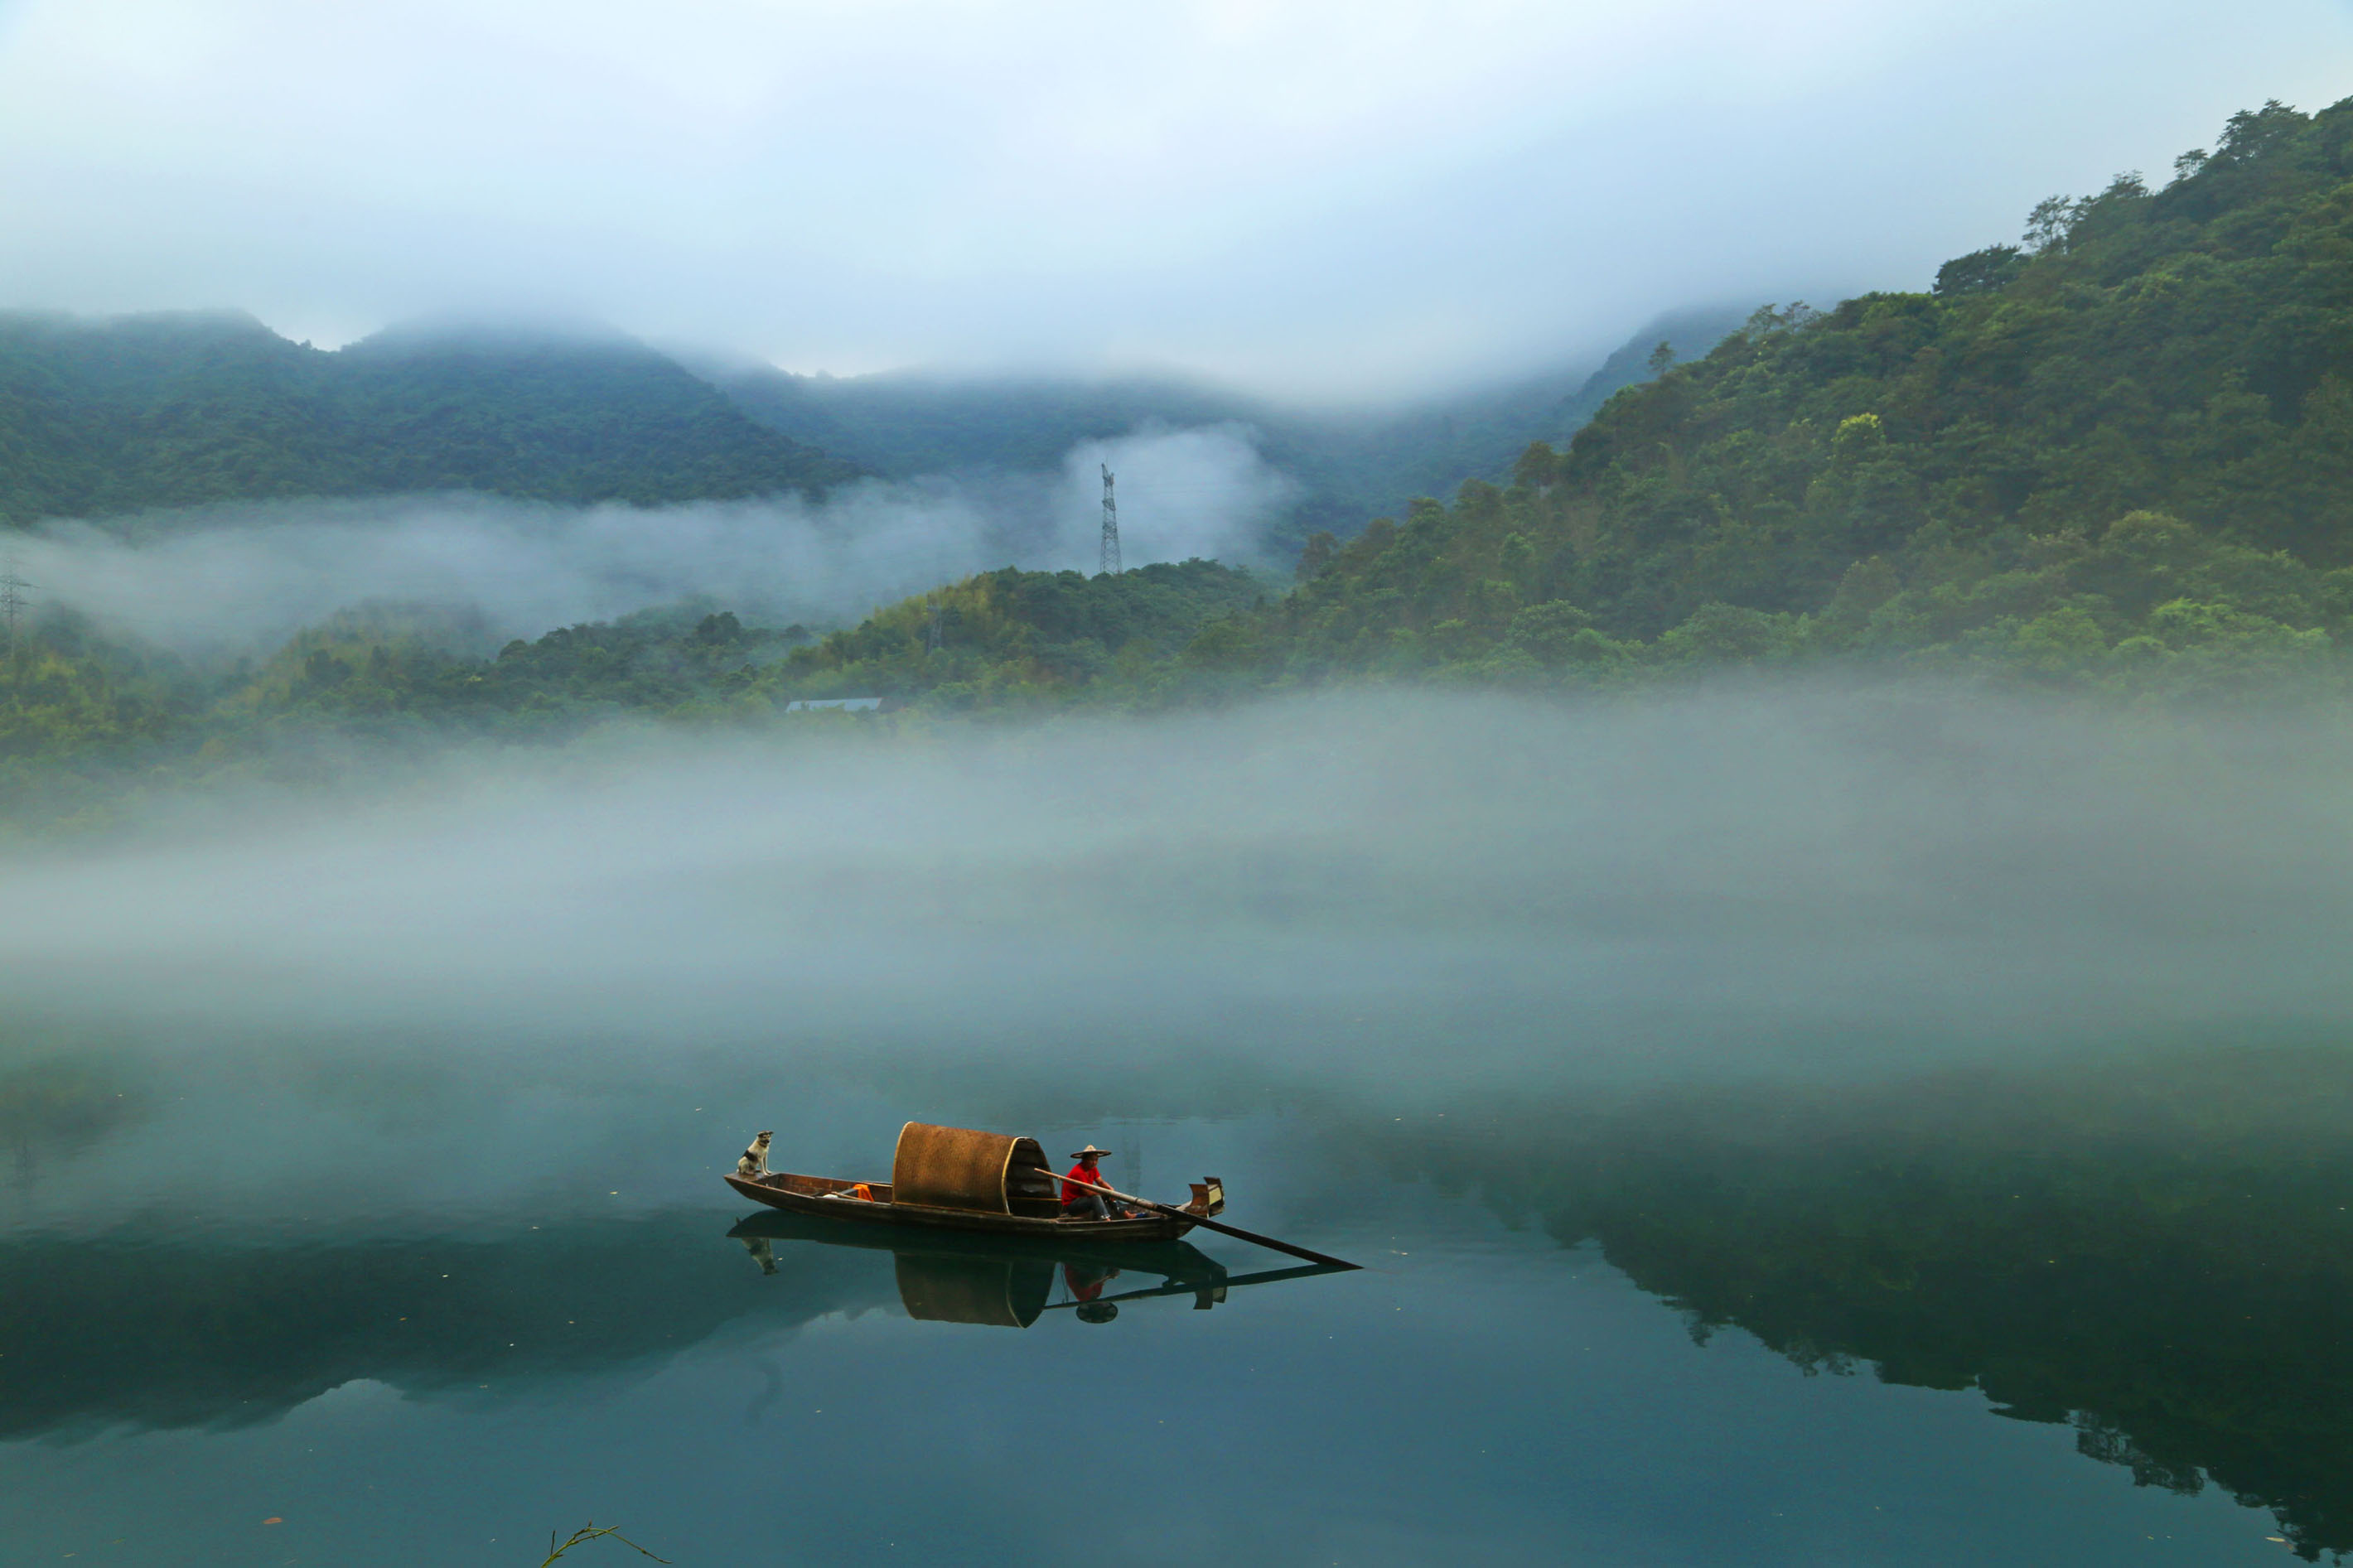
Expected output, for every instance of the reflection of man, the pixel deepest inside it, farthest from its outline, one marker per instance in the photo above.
(1086, 1283)
(1077, 1202)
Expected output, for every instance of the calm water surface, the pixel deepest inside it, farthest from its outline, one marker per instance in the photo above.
(425, 1305)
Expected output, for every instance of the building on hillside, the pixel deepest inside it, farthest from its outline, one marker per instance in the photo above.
(839, 704)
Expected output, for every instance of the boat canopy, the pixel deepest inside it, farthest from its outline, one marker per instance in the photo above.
(960, 1168)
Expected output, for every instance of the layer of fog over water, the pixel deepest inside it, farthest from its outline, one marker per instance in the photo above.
(1873, 870)
(1655, 1053)
(232, 580)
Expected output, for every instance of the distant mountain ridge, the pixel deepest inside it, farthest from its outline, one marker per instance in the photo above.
(106, 416)
(1350, 468)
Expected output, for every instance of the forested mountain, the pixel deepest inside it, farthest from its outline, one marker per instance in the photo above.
(2125, 446)
(98, 417)
(2121, 454)
(2118, 456)
(1349, 467)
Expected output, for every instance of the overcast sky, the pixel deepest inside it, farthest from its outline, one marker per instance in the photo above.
(1327, 198)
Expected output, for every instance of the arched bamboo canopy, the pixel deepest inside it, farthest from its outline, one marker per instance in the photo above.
(962, 1168)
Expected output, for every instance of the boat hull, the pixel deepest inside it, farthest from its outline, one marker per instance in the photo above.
(809, 1196)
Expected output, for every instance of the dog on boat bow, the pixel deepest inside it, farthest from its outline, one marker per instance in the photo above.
(755, 1162)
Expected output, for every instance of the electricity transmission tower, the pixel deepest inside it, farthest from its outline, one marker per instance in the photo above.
(12, 609)
(1111, 527)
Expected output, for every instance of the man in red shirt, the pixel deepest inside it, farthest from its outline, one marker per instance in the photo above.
(1077, 1201)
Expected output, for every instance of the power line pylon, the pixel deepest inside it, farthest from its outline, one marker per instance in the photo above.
(1111, 527)
(12, 610)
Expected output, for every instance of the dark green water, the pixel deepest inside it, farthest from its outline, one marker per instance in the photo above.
(1816, 1128)
(424, 1313)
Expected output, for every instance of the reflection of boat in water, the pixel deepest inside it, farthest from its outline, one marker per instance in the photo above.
(953, 1178)
(1008, 1281)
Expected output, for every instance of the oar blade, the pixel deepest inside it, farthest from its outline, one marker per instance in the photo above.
(1237, 1232)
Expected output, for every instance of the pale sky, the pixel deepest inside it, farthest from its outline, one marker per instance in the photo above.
(1322, 199)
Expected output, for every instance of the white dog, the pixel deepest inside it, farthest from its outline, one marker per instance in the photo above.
(755, 1162)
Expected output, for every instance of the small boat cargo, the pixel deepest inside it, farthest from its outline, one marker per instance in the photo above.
(956, 1178)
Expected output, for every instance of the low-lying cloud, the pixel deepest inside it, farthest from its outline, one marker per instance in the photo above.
(1401, 889)
(232, 579)
(1182, 493)
(1337, 200)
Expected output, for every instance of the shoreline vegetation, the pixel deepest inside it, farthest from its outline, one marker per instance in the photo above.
(2114, 459)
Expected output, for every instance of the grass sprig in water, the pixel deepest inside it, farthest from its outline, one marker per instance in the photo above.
(592, 1532)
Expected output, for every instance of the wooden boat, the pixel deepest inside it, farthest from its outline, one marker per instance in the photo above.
(957, 1178)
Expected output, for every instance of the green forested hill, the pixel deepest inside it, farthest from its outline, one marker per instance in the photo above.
(2120, 453)
(2118, 456)
(100, 417)
(2125, 442)
(2184, 350)
(107, 416)
(85, 720)
(1026, 636)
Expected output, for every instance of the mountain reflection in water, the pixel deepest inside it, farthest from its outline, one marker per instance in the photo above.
(149, 1326)
(2155, 1251)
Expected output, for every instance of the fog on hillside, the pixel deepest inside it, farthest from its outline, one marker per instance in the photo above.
(240, 578)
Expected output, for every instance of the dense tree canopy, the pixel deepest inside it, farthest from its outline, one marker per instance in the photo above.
(2125, 448)
(2118, 455)
(102, 417)
(1029, 636)
(85, 720)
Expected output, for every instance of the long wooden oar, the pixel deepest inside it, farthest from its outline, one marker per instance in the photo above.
(1233, 1231)
(1231, 1282)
